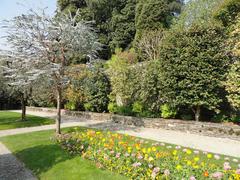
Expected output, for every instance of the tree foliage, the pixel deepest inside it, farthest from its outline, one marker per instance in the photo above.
(47, 44)
(118, 20)
(193, 66)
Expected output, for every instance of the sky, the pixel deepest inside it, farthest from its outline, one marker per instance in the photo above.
(12, 8)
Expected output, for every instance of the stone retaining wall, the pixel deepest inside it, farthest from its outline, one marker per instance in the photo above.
(201, 128)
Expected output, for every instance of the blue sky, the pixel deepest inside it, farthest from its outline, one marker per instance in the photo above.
(12, 8)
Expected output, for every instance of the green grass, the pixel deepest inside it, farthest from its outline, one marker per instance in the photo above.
(12, 120)
(48, 161)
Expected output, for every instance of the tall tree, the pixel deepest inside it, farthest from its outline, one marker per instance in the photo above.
(194, 65)
(51, 42)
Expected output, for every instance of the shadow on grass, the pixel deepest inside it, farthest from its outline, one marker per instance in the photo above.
(41, 158)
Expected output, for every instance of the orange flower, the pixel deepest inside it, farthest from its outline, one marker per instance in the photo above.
(206, 174)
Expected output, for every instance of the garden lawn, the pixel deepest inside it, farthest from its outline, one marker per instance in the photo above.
(12, 120)
(48, 161)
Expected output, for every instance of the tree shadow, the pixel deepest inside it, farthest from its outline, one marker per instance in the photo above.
(41, 158)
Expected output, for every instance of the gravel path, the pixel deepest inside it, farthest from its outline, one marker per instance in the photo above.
(11, 168)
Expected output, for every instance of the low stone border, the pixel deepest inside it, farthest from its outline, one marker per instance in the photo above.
(202, 128)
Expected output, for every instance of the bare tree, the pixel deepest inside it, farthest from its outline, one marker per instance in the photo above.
(149, 44)
(51, 41)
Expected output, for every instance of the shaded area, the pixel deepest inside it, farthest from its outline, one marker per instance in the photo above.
(12, 120)
(39, 152)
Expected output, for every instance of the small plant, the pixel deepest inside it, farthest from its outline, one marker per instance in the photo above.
(137, 107)
(168, 111)
(70, 106)
(88, 107)
(112, 107)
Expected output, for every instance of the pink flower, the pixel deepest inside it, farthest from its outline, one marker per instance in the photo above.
(133, 154)
(238, 171)
(226, 166)
(111, 152)
(156, 169)
(126, 155)
(155, 172)
(139, 156)
(166, 172)
(217, 175)
(192, 178)
(178, 147)
(137, 164)
(118, 155)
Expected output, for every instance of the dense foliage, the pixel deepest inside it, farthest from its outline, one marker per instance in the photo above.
(141, 159)
(118, 20)
(88, 90)
(193, 70)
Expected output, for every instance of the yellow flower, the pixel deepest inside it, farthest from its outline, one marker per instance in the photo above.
(146, 156)
(178, 167)
(189, 152)
(209, 156)
(149, 150)
(144, 150)
(150, 159)
(196, 159)
(98, 132)
(175, 152)
(154, 149)
(196, 167)
(189, 163)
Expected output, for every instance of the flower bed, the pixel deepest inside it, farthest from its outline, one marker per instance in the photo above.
(142, 159)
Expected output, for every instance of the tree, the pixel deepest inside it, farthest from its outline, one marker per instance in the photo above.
(233, 78)
(155, 15)
(122, 30)
(148, 46)
(51, 42)
(194, 65)
(88, 89)
(197, 12)
(20, 73)
(233, 85)
(227, 11)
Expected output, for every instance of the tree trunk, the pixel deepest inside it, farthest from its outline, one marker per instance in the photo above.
(58, 119)
(23, 105)
(197, 113)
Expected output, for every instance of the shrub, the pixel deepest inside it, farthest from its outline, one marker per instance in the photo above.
(227, 11)
(168, 111)
(137, 107)
(112, 107)
(125, 110)
(88, 107)
(70, 106)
